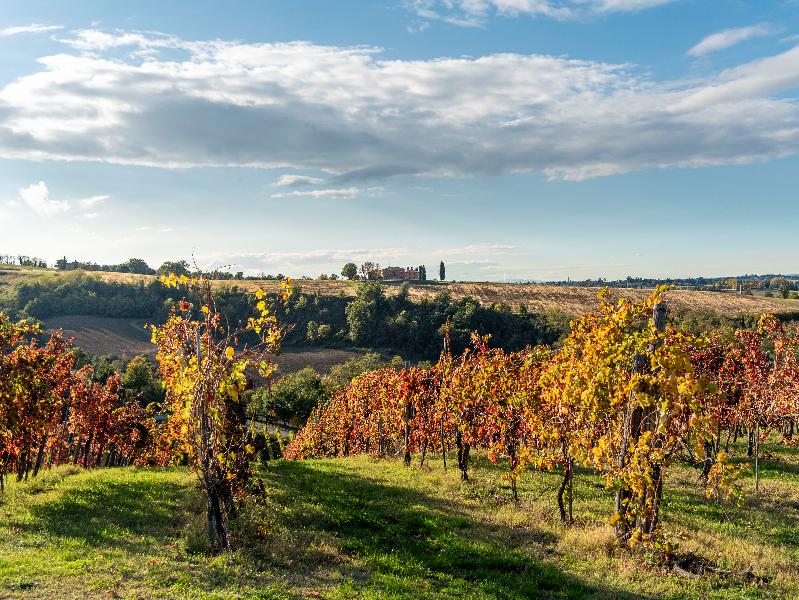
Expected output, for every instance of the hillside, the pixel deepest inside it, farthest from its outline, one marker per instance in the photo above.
(361, 528)
(126, 338)
(536, 297)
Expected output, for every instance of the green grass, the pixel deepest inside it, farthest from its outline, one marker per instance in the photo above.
(363, 528)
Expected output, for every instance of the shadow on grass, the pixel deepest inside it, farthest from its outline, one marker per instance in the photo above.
(129, 513)
(776, 523)
(412, 544)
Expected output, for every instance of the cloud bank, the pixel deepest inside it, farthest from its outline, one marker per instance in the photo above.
(156, 100)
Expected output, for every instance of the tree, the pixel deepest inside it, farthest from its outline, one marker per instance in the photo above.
(368, 267)
(178, 267)
(135, 265)
(291, 398)
(422, 273)
(140, 381)
(350, 271)
(365, 313)
(442, 273)
(61, 264)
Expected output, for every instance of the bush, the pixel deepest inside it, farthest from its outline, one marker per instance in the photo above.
(290, 399)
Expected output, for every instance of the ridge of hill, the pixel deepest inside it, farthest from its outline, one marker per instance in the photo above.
(537, 297)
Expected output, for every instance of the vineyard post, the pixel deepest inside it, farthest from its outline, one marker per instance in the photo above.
(757, 452)
(409, 414)
(443, 444)
(408, 417)
(571, 488)
(380, 447)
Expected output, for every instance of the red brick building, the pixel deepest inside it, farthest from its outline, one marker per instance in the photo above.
(404, 273)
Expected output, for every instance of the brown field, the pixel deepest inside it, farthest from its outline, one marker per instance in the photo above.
(126, 338)
(537, 297)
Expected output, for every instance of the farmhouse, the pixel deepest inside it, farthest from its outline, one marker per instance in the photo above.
(406, 273)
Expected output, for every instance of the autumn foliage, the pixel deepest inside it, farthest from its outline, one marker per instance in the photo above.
(623, 396)
(52, 413)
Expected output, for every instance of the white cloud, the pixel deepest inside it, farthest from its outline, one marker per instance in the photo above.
(296, 180)
(474, 13)
(350, 112)
(730, 37)
(32, 28)
(37, 197)
(90, 215)
(92, 200)
(350, 192)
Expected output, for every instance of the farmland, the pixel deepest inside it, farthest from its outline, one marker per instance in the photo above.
(537, 297)
(570, 300)
(126, 338)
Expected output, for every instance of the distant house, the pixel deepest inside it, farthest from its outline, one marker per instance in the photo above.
(402, 273)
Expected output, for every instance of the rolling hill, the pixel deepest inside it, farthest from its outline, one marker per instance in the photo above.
(537, 297)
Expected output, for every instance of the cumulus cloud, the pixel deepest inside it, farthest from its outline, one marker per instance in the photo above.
(296, 181)
(730, 37)
(474, 13)
(356, 115)
(32, 28)
(37, 198)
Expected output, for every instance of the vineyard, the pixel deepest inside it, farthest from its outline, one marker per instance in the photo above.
(624, 397)
(625, 402)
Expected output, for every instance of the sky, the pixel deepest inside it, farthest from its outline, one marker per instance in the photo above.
(512, 139)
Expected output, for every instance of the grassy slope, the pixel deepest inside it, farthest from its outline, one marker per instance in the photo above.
(362, 528)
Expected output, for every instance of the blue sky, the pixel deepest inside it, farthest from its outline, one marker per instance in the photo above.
(518, 139)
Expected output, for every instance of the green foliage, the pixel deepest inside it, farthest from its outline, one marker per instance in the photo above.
(290, 399)
(141, 382)
(81, 294)
(135, 265)
(104, 367)
(364, 313)
(178, 267)
(349, 270)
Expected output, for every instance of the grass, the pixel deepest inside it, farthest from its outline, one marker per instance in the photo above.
(361, 528)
